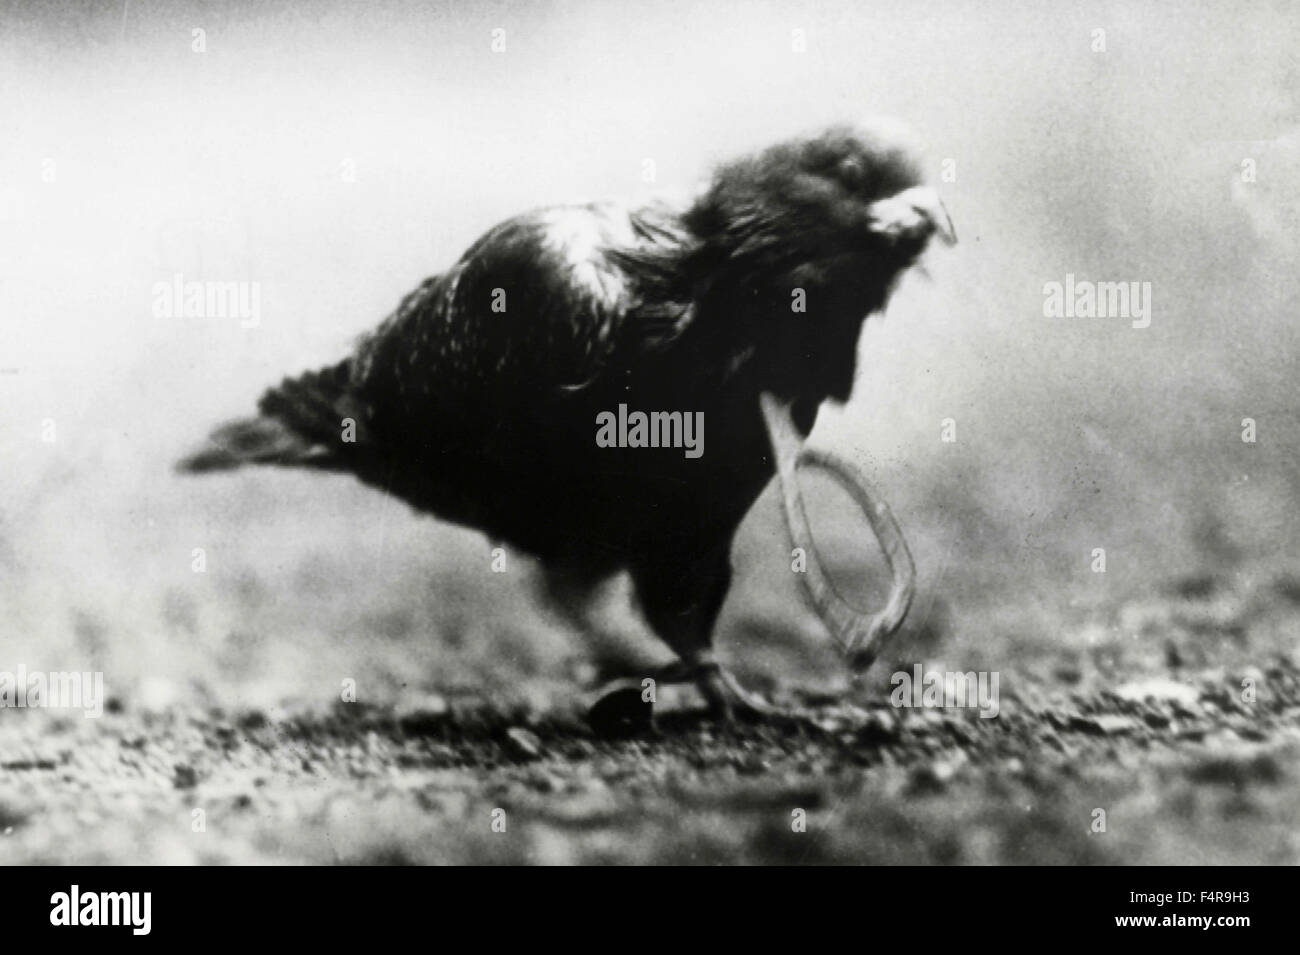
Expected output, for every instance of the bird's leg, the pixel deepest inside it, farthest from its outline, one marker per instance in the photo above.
(682, 605)
(726, 698)
(593, 602)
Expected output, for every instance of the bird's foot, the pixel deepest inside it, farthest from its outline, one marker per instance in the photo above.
(729, 701)
(626, 707)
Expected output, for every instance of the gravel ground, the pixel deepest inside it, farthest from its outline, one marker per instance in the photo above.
(1143, 718)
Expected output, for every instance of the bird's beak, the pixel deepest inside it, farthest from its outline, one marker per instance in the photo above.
(860, 635)
(915, 213)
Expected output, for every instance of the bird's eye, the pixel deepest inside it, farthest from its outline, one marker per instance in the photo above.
(850, 169)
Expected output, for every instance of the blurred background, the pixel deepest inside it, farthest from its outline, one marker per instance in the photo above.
(337, 153)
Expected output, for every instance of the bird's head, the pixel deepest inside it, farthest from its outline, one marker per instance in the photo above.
(801, 241)
(848, 204)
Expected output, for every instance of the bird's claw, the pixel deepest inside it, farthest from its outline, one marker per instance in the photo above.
(730, 702)
(626, 709)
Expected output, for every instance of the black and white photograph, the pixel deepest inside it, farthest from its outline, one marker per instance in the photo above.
(616, 432)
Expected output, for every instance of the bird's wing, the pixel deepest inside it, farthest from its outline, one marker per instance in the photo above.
(542, 306)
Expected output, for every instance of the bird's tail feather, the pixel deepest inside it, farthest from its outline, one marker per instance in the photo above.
(301, 424)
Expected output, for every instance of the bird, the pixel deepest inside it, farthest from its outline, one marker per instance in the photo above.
(488, 398)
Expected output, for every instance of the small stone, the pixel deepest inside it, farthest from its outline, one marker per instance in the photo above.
(1069, 673)
(1102, 725)
(185, 777)
(523, 743)
(934, 777)
(1237, 769)
(1159, 689)
(878, 729)
(252, 720)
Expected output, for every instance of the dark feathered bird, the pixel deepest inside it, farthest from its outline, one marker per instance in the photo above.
(478, 399)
